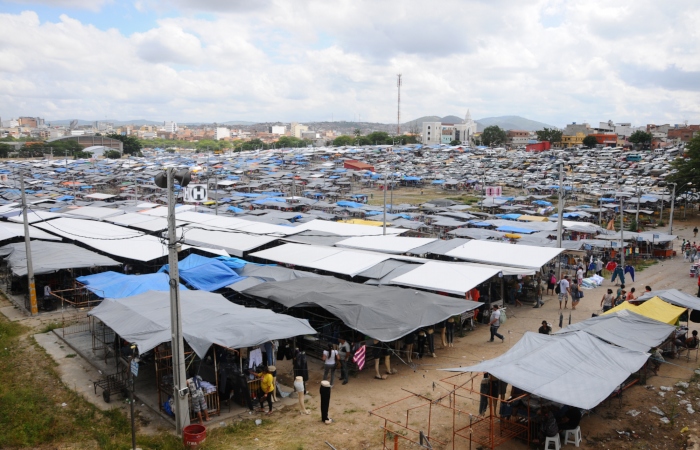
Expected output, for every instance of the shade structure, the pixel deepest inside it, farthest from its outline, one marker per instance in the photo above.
(118, 285)
(386, 313)
(10, 230)
(207, 319)
(575, 369)
(385, 244)
(50, 257)
(445, 277)
(654, 308)
(625, 328)
(525, 256)
(205, 274)
(235, 243)
(674, 297)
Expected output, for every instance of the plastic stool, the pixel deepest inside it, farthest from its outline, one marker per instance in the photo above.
(553, 440)
(573, 436)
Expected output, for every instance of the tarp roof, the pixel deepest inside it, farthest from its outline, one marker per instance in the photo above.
(274, 273)
(118, 285)
(330, 259)
(385, 244)
(626, 329)
(207, 319)
(445, 277)
(575, 369)
(674, 297)
(386, 313)
(49, 257)
(205, 274)
(14, 230)
(654, 308)
(235, 243)
(524, 256)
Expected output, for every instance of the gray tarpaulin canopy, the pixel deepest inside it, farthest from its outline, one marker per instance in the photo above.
(385, 313)
(674, 297)
(207, 319)
(575, 369)
(626, 329)
(49, 257)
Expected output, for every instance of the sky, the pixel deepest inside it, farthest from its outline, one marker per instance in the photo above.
(555, 61)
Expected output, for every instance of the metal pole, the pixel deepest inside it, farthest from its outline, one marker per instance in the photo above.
(622, 232)
(391, 194)
(182, 415)
(560, 215)
(28, 247)
(136, 191)
(216, 194)
(131, 401)
(384, 225)
(673, 201)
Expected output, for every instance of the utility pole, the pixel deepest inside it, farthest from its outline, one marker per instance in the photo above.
(636, 217)
(28, 249)
(136, 191)
(391, 195)
(622, 232)
(398, 110)
(182, 415)
(384, 225)
(560, 215)
(673, 200)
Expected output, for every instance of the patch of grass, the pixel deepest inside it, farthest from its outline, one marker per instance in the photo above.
(351, 411)
(49, 327)
(71, 355)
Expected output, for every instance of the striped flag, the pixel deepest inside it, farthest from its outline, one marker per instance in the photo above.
(359, 357)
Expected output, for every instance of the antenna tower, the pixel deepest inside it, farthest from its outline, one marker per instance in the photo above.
(398, 111)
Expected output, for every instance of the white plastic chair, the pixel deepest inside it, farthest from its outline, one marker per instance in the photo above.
(573, 436)
(553, 440)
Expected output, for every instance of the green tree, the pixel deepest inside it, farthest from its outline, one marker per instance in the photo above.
(379, 138)
(493, 135)
(688, 168)
(132, 146)
(641, 138)
(112, 154)
(357, 132)
(590, 141)
(343, 140)
(549, 134)
(290, 142)
(5, 150)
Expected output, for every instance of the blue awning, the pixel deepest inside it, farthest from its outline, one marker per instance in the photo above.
(510, 229)
(118, 285)
(205, 274)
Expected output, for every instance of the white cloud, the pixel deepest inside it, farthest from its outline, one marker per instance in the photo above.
(92, 5)
(550, 60)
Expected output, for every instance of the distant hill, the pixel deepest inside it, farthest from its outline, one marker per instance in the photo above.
(512, 123)
(116, 123)
(238, 122)
(505, 122)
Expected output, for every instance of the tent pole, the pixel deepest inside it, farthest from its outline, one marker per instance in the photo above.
(28, 246)
(560, 215)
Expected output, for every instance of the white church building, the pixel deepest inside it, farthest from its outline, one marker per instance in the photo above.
(435, 133)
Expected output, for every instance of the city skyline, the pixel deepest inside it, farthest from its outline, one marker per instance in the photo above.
(552, 61)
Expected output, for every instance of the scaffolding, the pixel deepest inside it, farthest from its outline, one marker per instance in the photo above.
(449, 421)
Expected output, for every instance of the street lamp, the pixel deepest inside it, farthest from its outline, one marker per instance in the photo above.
(686, 199)
(673, 200)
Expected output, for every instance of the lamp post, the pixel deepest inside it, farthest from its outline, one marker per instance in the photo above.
(686, 199)
(673, 201)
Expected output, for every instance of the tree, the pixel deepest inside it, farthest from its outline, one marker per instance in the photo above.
(357, 132)
(291, 142)
(343, 141)
(456, 142)
(688, 168)
(590, 141)
(132, 146)
(549, 134)
(641, 138)
(379, 138)
(493, 135)
(112, 154)
(5, 150)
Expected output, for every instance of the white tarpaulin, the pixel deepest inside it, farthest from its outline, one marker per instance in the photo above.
(445, 277)
(575, 369)
(525, 256)
(385, 244)
(626, 329)
(14, 230)
(108, 238)
(234, 243)
(331, 259)
(346, 229)
(207, 319)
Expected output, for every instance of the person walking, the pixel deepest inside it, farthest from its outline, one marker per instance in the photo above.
(344, 356)
(607, 301)
(579, 275)
(564, 291)
(551, 282)
(695, 232)
(330, 357)
(540, 287)
(575, 294)
(267, 385)
(495, 322)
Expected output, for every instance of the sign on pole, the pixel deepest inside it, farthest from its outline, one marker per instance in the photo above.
(493, 191)
(195, 193)
(135, 367)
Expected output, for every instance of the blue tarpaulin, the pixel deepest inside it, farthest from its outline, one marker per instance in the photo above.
(542, 203)
(438, 182)
(118, 285)
(510, 216)
(205, 274)
(350, 204)
(235, 210)
(509, 229)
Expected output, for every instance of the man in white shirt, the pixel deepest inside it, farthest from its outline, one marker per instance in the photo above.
(579, 275)
(564, 291)
(495, 322)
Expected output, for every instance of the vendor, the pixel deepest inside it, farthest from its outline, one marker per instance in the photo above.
(568, 418)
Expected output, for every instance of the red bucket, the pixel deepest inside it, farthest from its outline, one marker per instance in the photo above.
(194, 435)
